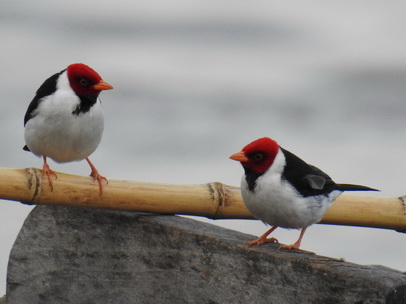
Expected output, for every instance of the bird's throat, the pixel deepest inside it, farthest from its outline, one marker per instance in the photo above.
(251, 177)
(86, 102)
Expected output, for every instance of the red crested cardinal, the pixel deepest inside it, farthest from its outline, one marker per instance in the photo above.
(64, 121)
(282, 190)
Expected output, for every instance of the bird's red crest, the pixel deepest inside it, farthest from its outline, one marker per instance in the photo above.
(82, 78)
(260, 154)
(264, 144)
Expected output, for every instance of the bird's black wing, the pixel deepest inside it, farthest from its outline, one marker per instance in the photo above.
(307, 179)
(47, 88)
(315, 181)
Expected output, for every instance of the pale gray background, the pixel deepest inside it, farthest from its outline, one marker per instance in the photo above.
(197, 80)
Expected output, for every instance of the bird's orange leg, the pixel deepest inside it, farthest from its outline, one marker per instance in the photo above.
(296, 245)
(262, 239)
(48, 172)
(96, 176)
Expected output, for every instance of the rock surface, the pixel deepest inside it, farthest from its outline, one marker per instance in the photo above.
(70, 255)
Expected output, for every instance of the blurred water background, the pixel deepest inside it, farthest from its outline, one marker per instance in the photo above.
(197, 80)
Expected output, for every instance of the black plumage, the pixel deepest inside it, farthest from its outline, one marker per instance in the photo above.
(47, 88)
(309, 180)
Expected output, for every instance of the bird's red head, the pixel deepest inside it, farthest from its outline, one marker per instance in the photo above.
(85, 81)
(258, 155)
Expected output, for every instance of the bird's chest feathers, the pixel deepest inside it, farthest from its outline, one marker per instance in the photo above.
(57, 132)
(276, 202)
(270, 199)
(57, 114)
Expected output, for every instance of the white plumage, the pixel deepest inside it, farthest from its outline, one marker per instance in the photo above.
(58, 134)
(276, 202)
(282, 190)
(64, 121)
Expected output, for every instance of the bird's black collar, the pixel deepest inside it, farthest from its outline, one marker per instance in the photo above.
(251, 177)
(86, 102)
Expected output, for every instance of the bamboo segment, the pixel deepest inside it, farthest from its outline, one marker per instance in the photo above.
(213, 200)
(368, 211)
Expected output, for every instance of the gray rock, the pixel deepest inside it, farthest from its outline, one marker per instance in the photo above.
(71, 255)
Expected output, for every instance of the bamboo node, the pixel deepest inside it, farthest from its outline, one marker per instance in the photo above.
(218, 193)
(403, 201)
(34, 182)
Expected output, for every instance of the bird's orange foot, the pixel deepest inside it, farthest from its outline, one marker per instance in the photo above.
(49, 173)
(289, 247)
(261, 240)
(295, 248)
(99, 178)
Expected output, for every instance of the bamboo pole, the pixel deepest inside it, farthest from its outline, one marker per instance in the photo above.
(213, 200)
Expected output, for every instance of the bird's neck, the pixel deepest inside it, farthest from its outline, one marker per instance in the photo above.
(86, 102)
(251, 177)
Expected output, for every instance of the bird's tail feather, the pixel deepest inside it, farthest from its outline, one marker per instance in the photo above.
(350, 187)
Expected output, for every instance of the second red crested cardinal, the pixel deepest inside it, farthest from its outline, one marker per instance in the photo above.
(64, 121)
(282, 190)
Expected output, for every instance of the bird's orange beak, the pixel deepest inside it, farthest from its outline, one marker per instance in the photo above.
(240, 156)
(102, 86)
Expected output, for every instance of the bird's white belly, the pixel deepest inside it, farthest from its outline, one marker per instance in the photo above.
(278, 203)
(57, 133)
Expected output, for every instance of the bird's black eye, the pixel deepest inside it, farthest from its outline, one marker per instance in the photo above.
(257, 156)
(84, 82)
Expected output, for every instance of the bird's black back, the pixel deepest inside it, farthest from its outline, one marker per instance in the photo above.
(310, 180)
(301, 175)
(47, 88)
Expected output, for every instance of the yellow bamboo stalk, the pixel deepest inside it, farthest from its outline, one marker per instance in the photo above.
(213, 200)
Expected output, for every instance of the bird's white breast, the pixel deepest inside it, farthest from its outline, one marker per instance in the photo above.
(276, 202)
(57, 133)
